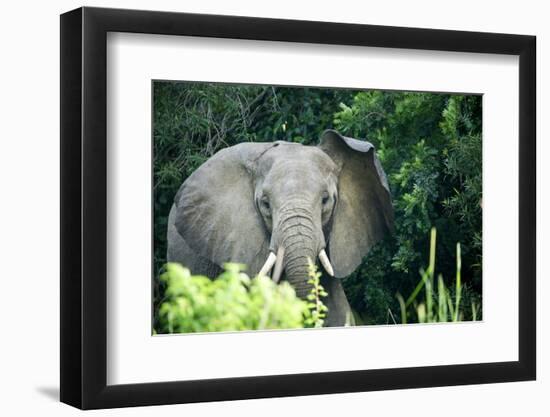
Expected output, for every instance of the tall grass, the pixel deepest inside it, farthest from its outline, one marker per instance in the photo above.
(440, 304)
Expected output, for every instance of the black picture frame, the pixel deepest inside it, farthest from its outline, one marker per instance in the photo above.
(84, 207)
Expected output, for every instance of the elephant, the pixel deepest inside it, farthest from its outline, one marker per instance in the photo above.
(273, 205)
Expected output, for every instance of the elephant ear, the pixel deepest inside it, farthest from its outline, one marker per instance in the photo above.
(215, 210)
(363, 212)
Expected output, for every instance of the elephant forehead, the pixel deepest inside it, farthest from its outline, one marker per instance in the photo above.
(298, 156)
(297, 174)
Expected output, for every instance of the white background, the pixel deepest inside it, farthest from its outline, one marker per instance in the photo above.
(133, 60)
(29, 220)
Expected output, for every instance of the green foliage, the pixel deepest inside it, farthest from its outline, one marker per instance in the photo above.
(438, 305)
(318, 311)
(430, 148)
(231, 302)
(429, 145)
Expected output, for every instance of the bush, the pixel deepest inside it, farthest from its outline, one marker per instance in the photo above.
(430, 148)
(234, 302)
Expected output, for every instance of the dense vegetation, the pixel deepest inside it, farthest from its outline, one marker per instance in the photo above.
(429, 145)
(233, 302)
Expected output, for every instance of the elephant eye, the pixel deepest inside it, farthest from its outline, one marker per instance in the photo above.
(265, 203)
(324, 200)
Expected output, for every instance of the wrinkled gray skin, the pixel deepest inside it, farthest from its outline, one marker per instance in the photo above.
(251, 198)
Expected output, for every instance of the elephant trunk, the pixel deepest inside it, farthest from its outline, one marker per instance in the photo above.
(300, 239)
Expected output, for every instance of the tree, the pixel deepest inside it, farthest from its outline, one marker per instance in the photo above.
(430, 147)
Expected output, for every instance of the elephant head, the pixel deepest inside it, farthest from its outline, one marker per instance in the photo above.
(277, 204)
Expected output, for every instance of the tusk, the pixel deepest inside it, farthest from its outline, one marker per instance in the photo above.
(325, 262)
(268, 264)
(277, 271)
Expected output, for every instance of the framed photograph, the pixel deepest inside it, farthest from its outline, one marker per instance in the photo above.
(255, 208)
